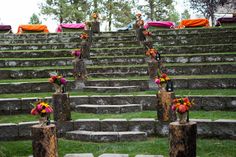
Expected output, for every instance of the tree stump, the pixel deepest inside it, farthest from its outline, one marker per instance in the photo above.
(140, 35)
(44, 141)
(61, 107)
(182, 139)
(164, 104)
(95, 27)
(153, 66)
(85, 49)
(80, 72)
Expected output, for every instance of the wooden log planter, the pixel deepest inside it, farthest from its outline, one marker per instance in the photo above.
(182, 139)
(95, 27)
(61, 106)
(44, 141)
(164, 103)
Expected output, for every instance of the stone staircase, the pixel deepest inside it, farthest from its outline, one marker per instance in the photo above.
(195, 58)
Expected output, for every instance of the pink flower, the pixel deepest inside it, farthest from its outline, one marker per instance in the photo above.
(173, 107)
(182, 109)
(48, 109)
(63, 81)
(39, 107)
(157, 81)
(34, 111)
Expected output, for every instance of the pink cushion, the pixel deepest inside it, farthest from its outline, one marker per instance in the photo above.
(167, 24)
(76, 26)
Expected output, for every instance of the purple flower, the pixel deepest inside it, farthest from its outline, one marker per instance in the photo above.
(63, 81)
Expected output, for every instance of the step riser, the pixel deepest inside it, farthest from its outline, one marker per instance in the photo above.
(112, 90)
(41, 40)
(123, 71)
(39, 47)
(115, 45)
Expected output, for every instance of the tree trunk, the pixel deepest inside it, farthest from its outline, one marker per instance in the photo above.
(151, 5)
(61, 107)
(182, 139)
(95, 3)
(164, 104)
(110, 14)
(44, 141)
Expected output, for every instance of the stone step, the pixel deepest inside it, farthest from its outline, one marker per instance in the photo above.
(114, 155)
(194, 31)
(114, 38)
(41, 40)
(39, 46)
(115, 85)
(195, 40)
(106, 89)
(108, 109)
(79, 155)
(9, 106)
(106, 136)
(231, 47)
(149, 156)
(121, 71)
(115, 44)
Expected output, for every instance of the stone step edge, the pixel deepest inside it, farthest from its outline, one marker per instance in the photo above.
(220, 128)
(106, 136)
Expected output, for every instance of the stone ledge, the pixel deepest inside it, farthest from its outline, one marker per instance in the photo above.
(79, 155)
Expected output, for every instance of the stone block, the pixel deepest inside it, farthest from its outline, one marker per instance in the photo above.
(104, 136)
(63, 127)
(212, 103)
(130, 108)
(25, 129)
(121, 99)
(147, 125)
(79, 135)
(78, 100)
(162, 128)
(79, 155)
(132, 136)
(230, 103)
(114, 155)
(100, 100)
(114, 125)
(148, 101)
(10, 106)
(27, 104)
(106, 109)
(8, 131)
(87, 124)
(149, 156)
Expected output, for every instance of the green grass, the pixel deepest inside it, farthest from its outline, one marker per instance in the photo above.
(179, 92)
(37, 59)
(213, 115)
(153, 146)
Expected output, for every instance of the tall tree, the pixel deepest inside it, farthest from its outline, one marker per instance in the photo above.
(66, 10)
(173, 14)
(34, 19)
(206, 7)
(156, 9)
(185, 14)
(117, 12)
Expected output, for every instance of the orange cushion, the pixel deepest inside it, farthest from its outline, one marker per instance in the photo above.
(194, 23)
(36, 27)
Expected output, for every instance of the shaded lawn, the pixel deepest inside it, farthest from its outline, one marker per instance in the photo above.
(205, 148)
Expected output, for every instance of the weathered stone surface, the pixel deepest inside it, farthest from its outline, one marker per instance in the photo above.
(148, 101)
(104, 136)
(142, 124)
(132, 136)
(114, 155)
(87, 125)
(149, 156)
(114, 125)
(25, 129)
(79, 135)
(27, 104)
(63, 127)
(8, 131)
(79, 155)
(10, 106)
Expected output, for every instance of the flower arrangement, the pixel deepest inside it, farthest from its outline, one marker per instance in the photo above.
(84, 36)
(162, 79)
(147, 33)
(95, 16)
(151, 52)
(58, 81)
(41, 108)
(76, 53)
(182, 105)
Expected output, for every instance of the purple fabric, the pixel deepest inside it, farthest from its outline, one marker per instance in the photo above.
(167, 24)
(227, 20)
(5, 27)
(75, 26)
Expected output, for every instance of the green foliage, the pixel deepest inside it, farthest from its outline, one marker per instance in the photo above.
(185, 14)
(173, 15)
(66, 10)
(34, 19)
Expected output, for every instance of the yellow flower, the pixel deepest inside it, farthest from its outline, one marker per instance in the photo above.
(43, 111)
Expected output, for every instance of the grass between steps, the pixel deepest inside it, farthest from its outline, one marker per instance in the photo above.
(179, 92)
(213, 115)
(119, 66)
(153, 146)
(36, 59)
(35, 80)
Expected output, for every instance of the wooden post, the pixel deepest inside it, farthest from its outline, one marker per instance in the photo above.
(95, 27)
(182, 139)
(164, 103)
(85, 49)
(44, 141)
(61, 107)
(80, 72)
(153, 66)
